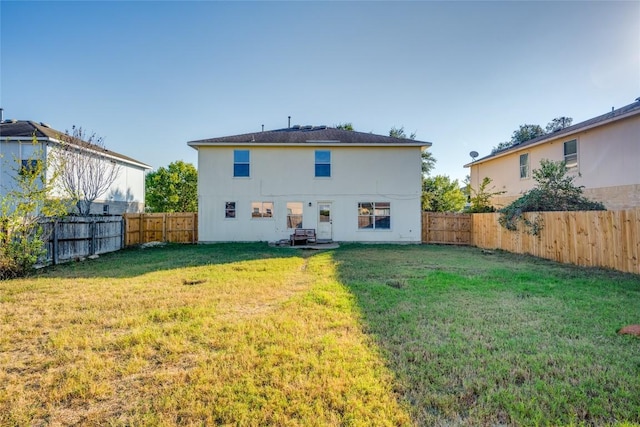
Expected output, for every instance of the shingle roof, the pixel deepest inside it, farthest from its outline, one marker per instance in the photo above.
(308, 134)
(627, 110)
(27, 128)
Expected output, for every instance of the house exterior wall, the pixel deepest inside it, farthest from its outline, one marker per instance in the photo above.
(286, 174)
(125, 195)
(608, 156)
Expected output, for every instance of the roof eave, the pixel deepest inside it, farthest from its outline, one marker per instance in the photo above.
(195, 144)
(57, 141)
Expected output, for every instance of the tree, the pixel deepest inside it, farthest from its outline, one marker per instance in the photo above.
(441, 194)
(399, 133)
(525, 133)
(480, 199)
(27, 201)
(501, 146)
(554, 191)
(172, 189)
(86, 169)
(558, 123)
(344, 126)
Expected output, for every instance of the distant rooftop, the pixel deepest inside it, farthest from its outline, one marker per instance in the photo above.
(24, 129)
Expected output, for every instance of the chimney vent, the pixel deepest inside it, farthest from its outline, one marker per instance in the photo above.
(289, 124)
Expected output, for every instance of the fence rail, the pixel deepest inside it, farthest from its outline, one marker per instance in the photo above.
(76, 236)
(609, 239)
(160, 227)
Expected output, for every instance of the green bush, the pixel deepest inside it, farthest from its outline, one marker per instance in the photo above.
(554, 191)
(22, 209)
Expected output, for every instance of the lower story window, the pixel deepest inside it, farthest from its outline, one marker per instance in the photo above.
(374, 215)
(230, 209)
(294, 215)
(261, 209)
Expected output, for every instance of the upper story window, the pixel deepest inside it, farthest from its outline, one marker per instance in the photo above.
(374, 215)
(294, 215)
(323, 163)
(571, 154)
(524, 166)
(241, 163)
(29, 166)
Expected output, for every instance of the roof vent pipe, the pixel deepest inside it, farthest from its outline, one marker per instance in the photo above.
(1, 114)
(289, 124)
(262, 128)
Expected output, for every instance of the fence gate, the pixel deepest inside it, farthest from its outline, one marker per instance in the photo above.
(181, 227)
(446, 228)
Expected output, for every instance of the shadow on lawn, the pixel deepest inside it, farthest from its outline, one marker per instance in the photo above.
(425, 306)
(132, 262)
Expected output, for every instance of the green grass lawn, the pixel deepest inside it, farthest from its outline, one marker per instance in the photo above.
(245, 334)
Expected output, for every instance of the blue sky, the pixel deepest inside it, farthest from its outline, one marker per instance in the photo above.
(149, 76)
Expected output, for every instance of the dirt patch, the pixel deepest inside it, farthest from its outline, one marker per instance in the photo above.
(630, 330)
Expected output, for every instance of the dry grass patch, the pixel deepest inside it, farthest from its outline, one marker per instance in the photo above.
(270, 340)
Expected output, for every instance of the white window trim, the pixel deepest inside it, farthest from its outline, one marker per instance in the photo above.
(374, 228)
(262, 218)
(528, 175)
(330, 163)
(287, 215)
(576, 168)
(235, 218)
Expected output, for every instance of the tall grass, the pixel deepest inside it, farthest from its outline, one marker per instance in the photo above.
(245, 334)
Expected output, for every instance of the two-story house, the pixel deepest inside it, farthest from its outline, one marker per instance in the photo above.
(347, 185)
(126, 193)
(603, 153)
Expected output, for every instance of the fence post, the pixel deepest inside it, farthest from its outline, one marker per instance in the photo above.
(54, 246)
(92, 233)
(164, 227)
(122, 231)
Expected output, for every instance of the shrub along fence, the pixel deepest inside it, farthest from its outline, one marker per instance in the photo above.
(179, 227)
(79, 236)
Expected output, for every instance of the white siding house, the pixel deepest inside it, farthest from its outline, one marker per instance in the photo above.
(348, 186)
(126, 194)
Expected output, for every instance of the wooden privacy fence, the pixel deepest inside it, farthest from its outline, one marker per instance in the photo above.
(77, 236)
(161, 227)
(446, 228)
(609, 239)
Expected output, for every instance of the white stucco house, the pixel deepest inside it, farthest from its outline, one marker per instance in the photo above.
(603, 153)
(126, 194)
(347, 185)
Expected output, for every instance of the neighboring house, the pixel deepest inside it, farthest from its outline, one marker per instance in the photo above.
(348, 186)
(16, 143)
(603, 153)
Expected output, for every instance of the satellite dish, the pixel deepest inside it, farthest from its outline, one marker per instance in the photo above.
(473, 155)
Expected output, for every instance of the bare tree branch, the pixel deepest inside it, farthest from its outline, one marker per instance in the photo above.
(87, 172)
